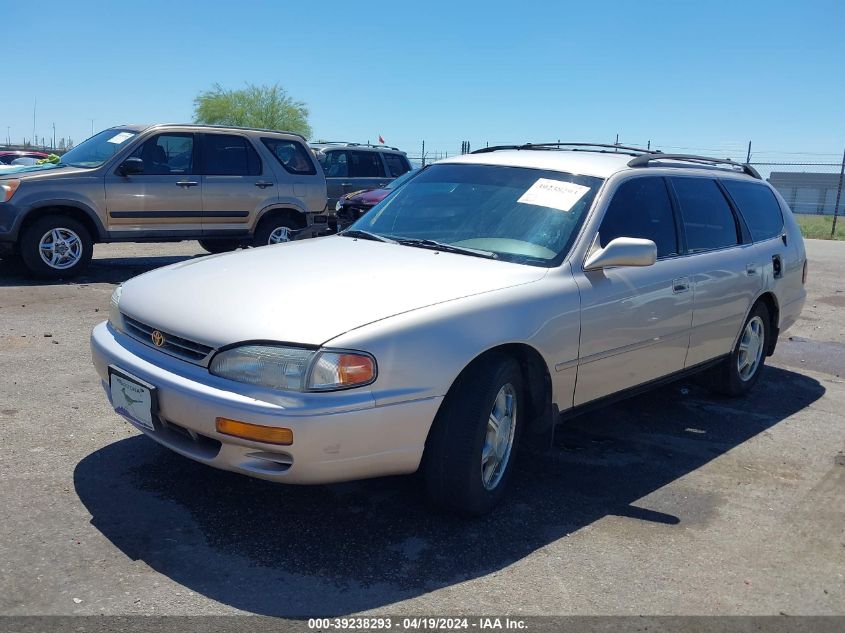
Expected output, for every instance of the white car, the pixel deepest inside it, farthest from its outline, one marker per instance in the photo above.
(490, 294)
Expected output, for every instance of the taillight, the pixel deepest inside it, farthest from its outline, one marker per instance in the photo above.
(804, 273)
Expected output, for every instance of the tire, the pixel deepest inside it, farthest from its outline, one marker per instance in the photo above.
(741, 370)
(219, 246)
(271, 230)
(56, 246)
(456, 474)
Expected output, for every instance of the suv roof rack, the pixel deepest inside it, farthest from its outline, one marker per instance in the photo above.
(604, 148)
(354, 144)
(644, 160)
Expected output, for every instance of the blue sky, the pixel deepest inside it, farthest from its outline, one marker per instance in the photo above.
(683, 74)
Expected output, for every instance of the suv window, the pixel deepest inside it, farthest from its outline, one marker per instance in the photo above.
(229, 155)
(397, 164)
(641, 208)
(758, 206)
(709, 223)
(167, 154)
(292, 156)
(365, 165)
(335, 164)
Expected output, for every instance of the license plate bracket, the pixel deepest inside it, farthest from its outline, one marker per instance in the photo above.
(133, 398)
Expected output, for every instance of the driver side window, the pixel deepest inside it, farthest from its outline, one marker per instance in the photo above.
(167, 154)
(641, 208)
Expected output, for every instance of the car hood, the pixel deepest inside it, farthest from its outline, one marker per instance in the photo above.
(307, 292)
(373, 196)
(39, 172)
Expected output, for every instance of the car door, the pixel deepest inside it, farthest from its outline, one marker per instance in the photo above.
(236, 186)
(728, 269)
(366, 171)
(635, 321)
(166, 197)
(335, 164)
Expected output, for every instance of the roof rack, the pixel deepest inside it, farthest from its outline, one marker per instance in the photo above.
(354, 144)
(575, 147)
(644, 160)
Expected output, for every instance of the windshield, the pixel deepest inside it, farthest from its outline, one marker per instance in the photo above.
(96, 150)
(401, 180)
(524, 215)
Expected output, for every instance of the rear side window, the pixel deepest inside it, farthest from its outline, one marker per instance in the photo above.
(758, 206)
(641, 208)
(292, 156)
(397, 164)
(229, 155)
(709, 223)
(365, 165)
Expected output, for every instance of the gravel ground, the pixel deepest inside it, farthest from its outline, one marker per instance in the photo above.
(673, 502)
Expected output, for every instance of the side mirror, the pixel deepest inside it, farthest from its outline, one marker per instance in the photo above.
(131, 166)
(623, 251)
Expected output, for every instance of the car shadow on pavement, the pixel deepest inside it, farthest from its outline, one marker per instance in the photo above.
(330, 550)
(112, 270)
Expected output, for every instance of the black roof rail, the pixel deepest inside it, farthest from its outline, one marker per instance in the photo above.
(586, 147)
(354, 144)
(644, 160)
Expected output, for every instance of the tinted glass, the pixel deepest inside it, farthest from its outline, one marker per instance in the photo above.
(229, 155)
(758, 206)
(365, 165)
(335, 164)
(641, 208)
(167, 154)
(523, 215)
(397, 164)
(708, 220)
(293, 157)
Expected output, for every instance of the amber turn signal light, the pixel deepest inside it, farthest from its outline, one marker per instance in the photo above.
(255, 432)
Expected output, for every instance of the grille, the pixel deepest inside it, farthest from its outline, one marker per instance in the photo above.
(177, 346)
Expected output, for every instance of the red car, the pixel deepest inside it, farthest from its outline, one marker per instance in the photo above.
(353, 205)
(7, 156)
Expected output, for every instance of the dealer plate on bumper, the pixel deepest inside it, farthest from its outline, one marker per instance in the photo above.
(132, 398)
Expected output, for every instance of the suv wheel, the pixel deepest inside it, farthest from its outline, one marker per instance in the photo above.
(56, 246)
(273, 231)
(741, 370)
(470, 450)
(219, 246)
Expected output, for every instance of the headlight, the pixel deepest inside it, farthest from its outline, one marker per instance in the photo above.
(338, 205)
(8, 188)
(115, 318)
(294, 368)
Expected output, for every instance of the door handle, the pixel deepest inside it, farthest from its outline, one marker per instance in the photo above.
(679, 285)
(187, 183)
(263, 184)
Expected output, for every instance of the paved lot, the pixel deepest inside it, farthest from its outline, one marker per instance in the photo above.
(671, 503)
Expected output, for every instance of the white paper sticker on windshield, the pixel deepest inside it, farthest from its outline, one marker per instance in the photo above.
(555, 194)
(117, 139)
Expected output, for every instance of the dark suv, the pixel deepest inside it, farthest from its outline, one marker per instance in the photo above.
(224, 186)
(355, 166)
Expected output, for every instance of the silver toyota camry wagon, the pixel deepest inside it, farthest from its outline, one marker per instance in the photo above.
(464, 314)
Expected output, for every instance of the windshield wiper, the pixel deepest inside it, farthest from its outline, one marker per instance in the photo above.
(366, 235)
(446, 248)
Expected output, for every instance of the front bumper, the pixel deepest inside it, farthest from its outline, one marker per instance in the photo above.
(337, 436)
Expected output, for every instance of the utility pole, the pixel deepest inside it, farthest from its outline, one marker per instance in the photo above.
(748, 156)
(838, 196)
(54, 136)
(422, 154)
(8, 135)
(34, 107)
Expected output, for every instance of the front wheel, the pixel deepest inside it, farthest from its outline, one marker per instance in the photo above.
(470, 450)
(219, 246)
(738, 373)
(56, 246)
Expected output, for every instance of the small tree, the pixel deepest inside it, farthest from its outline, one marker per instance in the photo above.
(254, 106)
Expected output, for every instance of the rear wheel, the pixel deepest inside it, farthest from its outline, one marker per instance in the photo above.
(219, 246)
(470, 450)
(737, 374)
(274, 231)
(56, 246)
